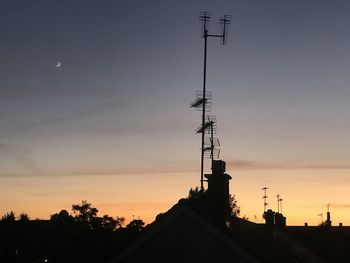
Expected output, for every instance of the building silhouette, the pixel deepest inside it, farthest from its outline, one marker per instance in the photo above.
(189, 232)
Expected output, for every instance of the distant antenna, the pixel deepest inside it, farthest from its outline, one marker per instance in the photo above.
(328, 222)
(265, 197)
(279, 203)
(321, 215)
(203, 101)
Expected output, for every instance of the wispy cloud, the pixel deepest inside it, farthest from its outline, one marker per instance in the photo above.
(163, 167)
(159, 168)
(19, 154)
(70, 116)
(40, 194)
(120, 123)
(257, 165)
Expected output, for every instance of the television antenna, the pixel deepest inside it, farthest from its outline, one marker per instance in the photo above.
(211, 144)
(279, 203)
(265, 197)
(203, 101)
(321, 215)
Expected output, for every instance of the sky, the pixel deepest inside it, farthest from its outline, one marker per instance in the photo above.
(112, 124)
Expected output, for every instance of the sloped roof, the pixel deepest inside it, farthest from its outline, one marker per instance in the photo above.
(184, 235)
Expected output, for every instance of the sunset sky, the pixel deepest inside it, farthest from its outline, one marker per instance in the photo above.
(112, 124)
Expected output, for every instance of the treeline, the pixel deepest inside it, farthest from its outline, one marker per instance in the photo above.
(80, 236)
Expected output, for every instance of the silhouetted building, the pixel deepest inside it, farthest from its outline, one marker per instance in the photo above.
(269, 217)
(280, 220)
(274, 219)
(184, 234)
(189, 232)
(328, 222)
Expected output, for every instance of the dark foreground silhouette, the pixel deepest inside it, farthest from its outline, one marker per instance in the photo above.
(79, 237)
(189, 226)
(196, 229)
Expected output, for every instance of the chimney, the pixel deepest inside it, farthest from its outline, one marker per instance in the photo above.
(269, 217)
(218, 191)
(280, 220)
(328, 222)
(274, 219)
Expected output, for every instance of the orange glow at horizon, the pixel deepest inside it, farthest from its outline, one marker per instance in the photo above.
(305, 193)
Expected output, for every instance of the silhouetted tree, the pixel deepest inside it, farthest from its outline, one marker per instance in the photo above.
(80, 235)
(136, 225)
(120, 221)
(85, 213)
(109, 223)
(23, 217)
(9, 217)
(63, 217)
(195, 194)
(200, 199)
(235, 209)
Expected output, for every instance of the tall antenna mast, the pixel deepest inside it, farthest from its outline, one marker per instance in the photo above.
(202, 101)
(265, 198)
(321, 215)
(279, 203)
(280, 200)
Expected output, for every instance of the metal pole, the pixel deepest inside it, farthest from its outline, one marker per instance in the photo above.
(204, 99)
(265, 198)
(281, 205)
(212, 143)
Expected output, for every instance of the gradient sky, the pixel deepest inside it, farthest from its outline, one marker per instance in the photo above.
(113, 126)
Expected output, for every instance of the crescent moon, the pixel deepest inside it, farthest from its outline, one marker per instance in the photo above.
(58, 65)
